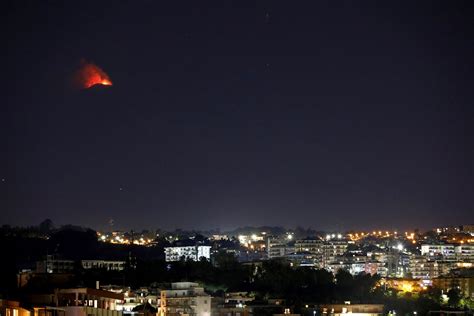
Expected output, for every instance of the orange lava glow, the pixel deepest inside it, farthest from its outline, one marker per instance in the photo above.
(106, 82)
(90, 75)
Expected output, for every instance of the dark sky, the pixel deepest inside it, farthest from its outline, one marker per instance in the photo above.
(334, 115)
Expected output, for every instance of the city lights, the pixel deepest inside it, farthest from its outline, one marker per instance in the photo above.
(283, 158)
(122, 238)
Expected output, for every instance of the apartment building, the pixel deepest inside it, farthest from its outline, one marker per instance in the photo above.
(185, 298)
(194, 253)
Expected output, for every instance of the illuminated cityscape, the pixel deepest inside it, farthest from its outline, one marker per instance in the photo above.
(411, 265)
(237, 158)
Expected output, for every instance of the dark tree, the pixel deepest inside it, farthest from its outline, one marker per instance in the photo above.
(46, 226)
(454, 296)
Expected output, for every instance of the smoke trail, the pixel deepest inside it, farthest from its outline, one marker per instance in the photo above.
(89, 75)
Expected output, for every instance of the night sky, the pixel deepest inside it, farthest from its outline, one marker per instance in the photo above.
(333, 115)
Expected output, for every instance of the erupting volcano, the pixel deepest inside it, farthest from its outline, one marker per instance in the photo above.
(90, 75)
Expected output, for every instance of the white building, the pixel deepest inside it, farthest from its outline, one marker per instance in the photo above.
(464, 252)
(109, 265)
(194, 253)
(185, 298)
(437, 250)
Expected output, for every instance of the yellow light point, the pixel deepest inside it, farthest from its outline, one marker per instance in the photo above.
(413, 242)
(407, 287)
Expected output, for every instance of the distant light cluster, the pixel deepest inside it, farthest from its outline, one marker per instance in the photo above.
(124, 239)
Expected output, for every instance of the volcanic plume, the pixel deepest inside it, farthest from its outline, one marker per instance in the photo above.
(90, 75)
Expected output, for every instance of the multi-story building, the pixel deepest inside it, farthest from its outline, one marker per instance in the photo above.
(301, 259)
(219, 237)
(52, 264)
(355, 309)
(398, 263)
(277, 251)
(464, 252)
(335, 266)
(278, 247)
(375, 267)
(468, 229)
(132, 299)
(185, 298)
(251, 255)
(445, 250)
(194, 253)
(465, 283)
(422, 267)
(78, 302)
(333, 248)
(357, 267)
(109, 265)
(13, 308)
(25, 276)
(55, 265)
(314, 246)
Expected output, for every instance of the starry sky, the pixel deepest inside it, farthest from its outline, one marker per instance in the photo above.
(323, 114)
